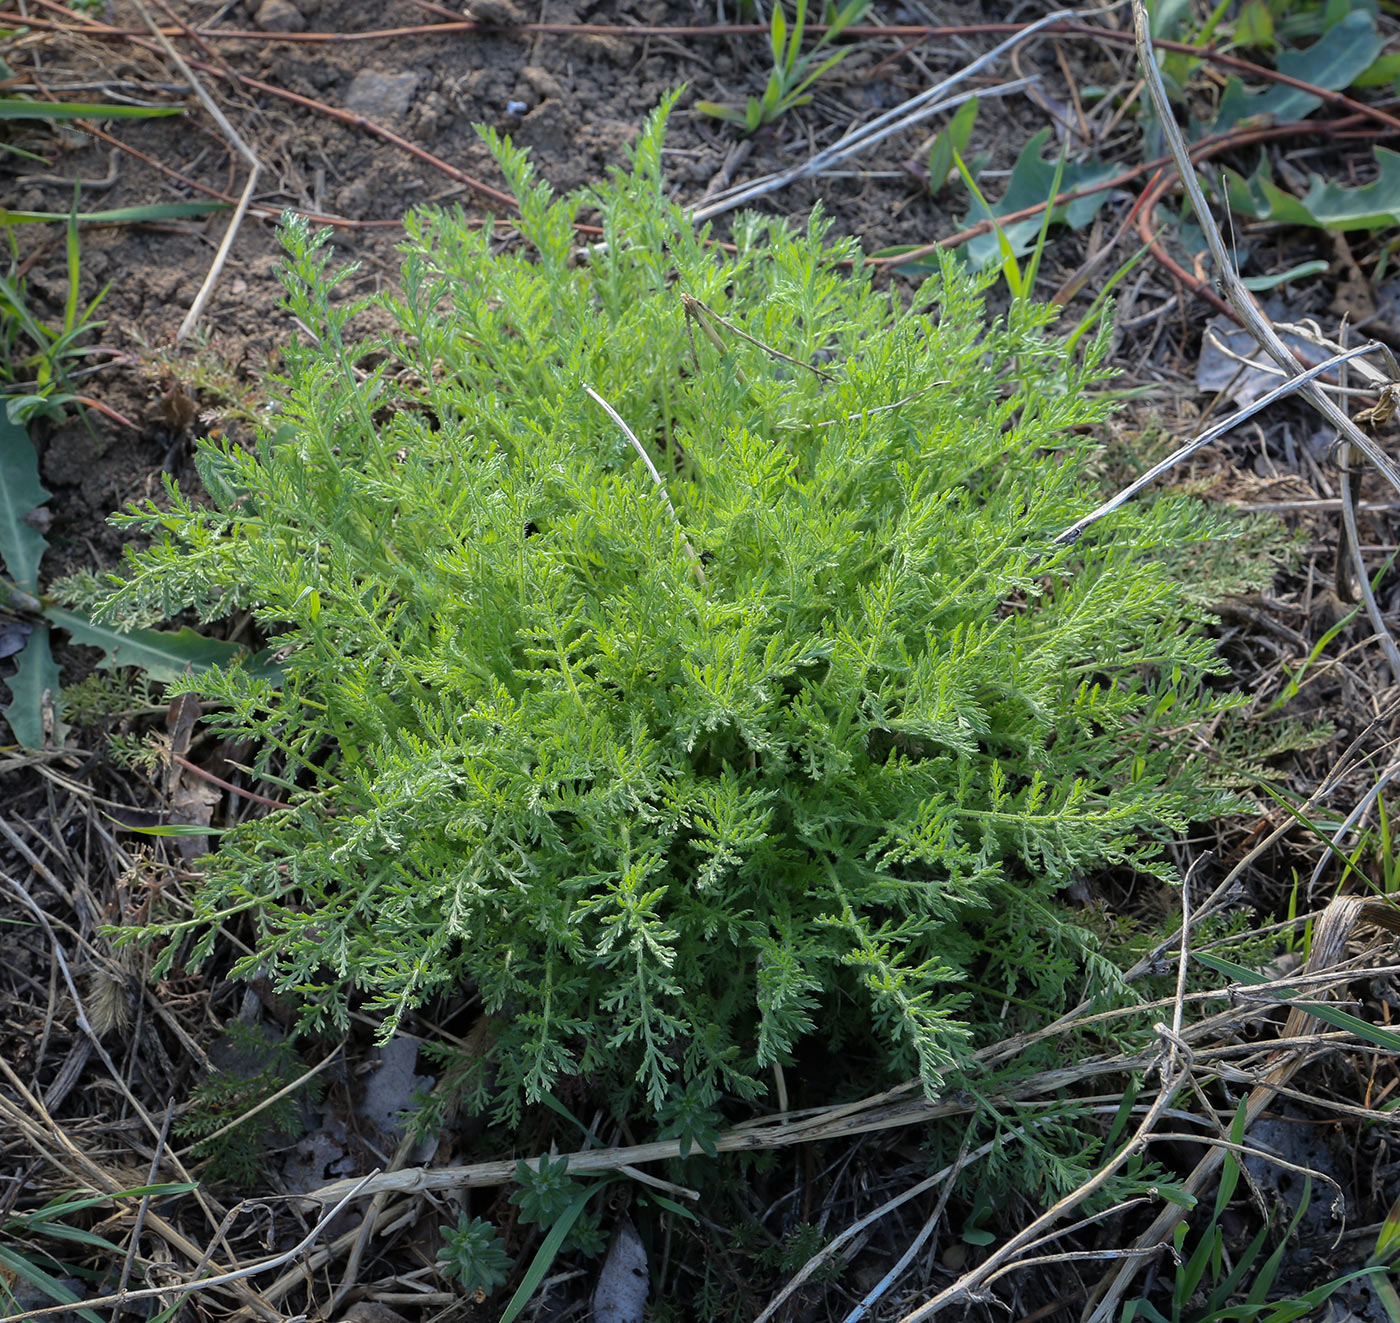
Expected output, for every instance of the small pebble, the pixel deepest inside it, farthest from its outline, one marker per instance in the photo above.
(541, 82)
(279, 16)
(517, 108)
(499, 13)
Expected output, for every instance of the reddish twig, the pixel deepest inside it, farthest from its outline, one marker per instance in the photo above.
(915, 32)
(1202, 289)
(1206, 147)
(226, 785)
(107, 410)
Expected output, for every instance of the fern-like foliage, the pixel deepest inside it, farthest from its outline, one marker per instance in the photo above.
(807, 745)
(260, 1068)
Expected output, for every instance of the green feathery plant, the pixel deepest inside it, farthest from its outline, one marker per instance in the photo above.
(238, 1112)
(674, 649)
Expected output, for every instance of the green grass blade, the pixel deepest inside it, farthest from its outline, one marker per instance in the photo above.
(799, 24)
(19, 108)
(159, 211)
(1347, 861)
(1033, 264)
(549, 1250)
(1010, 268)
(13, 303)
(71, 251)
(848, 14)
(1338, 1019)
(65, 1205)
(45, 1282)
(1096, 308)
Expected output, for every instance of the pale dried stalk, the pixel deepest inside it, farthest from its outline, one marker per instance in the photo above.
(41, 1131)
(1175, 1063)
(1299, 380)
(655, 477)
(254, 170)
(852, 1231)
(1330, 934)
(1245, 308)
(926, 103)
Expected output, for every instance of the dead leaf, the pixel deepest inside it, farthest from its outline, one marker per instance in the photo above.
(625, 1281)
(371, 1311)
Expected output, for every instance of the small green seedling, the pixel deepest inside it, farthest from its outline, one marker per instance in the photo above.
(36, 359)
(790, 78)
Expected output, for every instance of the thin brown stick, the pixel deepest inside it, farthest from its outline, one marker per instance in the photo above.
(227, 785)
(250, 157)
(917, 32)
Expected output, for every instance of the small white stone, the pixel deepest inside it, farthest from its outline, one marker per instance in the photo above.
(380, 95)
(279, 16)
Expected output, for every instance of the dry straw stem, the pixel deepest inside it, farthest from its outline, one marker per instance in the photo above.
(1296, 381)
(1350, 822)
(162, 1293)
(1244, 306)
(851, 1232)
(655, 477)
(254, 170)
(1331, 933)
(37, 1127)
(901, 1106)
(1175, 1064)
(918, 108)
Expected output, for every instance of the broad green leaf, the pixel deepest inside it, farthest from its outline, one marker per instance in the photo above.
(161, 654)
(1325, 205)
(953, 138)
(1385, 70)
(1030, 183)
(1168, 16)
(117, 215)
(37, 672)
(18, 108)
(21, 544)
(1332, 62)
